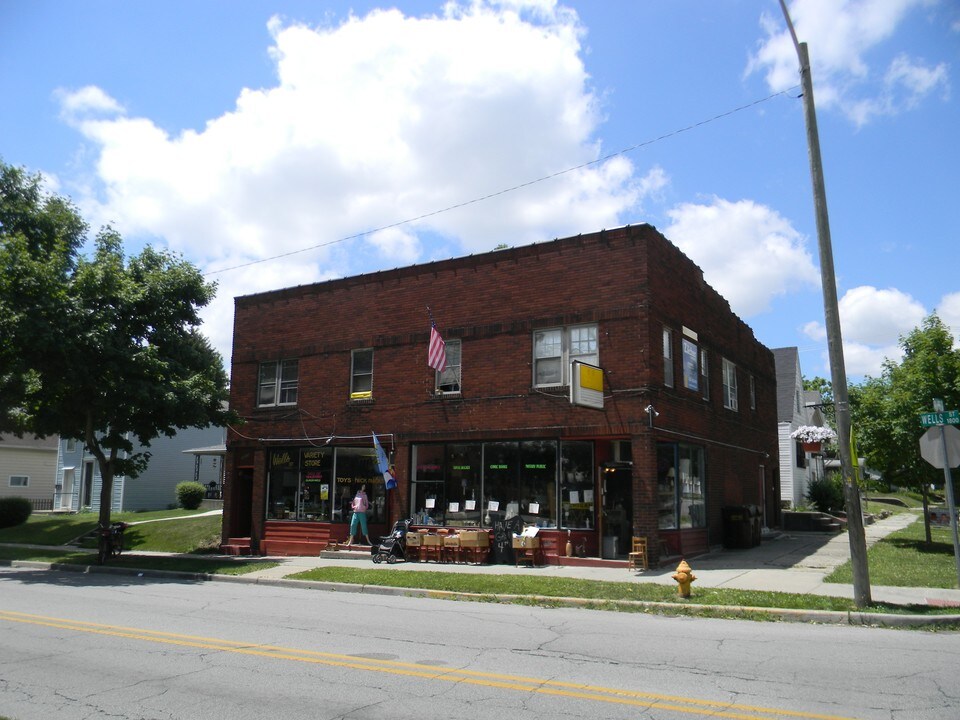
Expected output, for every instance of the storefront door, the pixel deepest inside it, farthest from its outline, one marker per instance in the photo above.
(616, 486)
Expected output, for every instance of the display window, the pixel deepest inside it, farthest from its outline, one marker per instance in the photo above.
(681, 486)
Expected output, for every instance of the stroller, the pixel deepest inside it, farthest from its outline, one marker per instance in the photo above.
(392, 546)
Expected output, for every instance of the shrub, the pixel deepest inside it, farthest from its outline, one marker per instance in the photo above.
(826, 493)
(14, 511)
(190, 495)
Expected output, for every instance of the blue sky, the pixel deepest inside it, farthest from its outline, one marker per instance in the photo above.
(241, 131)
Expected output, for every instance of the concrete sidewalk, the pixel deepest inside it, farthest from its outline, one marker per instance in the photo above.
(786, 562)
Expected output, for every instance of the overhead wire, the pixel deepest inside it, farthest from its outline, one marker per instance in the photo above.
(514, 188)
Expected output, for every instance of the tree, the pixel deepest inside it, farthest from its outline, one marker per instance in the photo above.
(886, 410)
(105, 349)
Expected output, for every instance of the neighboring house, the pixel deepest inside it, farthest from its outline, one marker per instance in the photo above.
(28, 468)
(171, 463)
(596, 387)
(795, 407)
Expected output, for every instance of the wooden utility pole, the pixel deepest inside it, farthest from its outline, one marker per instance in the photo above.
(838, 373)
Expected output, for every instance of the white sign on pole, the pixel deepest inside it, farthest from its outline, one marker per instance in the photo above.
(932, 446)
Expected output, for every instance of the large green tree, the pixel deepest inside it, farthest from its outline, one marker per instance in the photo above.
(886, 410)
(105, 349)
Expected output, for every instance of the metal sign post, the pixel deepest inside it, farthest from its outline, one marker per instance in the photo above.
(940, 446)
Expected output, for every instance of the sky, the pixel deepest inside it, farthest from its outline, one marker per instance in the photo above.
(275, 143)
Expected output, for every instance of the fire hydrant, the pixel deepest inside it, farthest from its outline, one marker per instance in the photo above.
(684, 576)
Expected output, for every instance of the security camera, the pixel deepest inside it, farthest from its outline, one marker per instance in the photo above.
(650, 410)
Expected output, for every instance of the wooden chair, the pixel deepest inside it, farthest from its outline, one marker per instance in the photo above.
(638, 559)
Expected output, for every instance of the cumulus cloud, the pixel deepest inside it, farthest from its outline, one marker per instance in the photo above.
(748, 252)
(372, 121)
(841, 35)
(948, 309)
(872, 321)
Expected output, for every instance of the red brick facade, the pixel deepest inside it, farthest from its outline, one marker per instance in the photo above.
(630, 283)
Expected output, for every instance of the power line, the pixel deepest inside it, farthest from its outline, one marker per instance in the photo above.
(513, 188)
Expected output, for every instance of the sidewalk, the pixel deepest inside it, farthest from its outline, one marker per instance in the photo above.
(787, 562)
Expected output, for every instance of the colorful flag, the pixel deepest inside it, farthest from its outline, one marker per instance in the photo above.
(383, 465)
(437, 352)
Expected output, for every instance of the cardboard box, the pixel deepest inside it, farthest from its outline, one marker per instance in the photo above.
(526, 543)
(451, 541)
(413, 539)
(431, 540)
(475, 538)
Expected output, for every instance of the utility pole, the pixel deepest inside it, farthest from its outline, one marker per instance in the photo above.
(838, 372)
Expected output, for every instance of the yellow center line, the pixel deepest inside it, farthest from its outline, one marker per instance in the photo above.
(674, 703)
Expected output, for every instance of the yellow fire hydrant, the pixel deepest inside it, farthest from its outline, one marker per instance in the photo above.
(684, 576)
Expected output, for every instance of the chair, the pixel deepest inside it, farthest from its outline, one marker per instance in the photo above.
(638, 559)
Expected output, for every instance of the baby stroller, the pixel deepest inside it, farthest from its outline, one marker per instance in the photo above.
(392, 546)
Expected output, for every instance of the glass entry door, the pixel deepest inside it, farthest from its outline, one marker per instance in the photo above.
(616, 485)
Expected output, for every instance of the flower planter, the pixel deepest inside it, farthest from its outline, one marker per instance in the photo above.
(812, 447)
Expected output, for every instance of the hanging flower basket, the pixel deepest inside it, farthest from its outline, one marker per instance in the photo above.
(812, 437)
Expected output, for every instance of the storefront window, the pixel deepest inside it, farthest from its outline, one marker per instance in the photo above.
(284, 484)
(463, 498)
(319, 484)
(316, 488)
(500, 492)
(538, 482)
(577, 485)
(427, 492)
(681, 486)
(355, 467)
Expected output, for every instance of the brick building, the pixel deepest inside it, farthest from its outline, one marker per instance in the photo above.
(688, 423)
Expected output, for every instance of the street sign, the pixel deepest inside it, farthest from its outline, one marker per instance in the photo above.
(932, 446)
(948, 417)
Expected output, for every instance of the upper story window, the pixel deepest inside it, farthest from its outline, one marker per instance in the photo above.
(729, 385)
(279, 381)
(448, 381)
(19, 481)
(556, 348)
(71, 445)
(361, 374)
(668, 357)
(753, 393)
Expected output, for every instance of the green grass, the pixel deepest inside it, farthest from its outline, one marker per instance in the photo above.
(59, 529)
(603, 592)
(904, 559)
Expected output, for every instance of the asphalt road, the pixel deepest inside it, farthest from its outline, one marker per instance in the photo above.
(78, 645)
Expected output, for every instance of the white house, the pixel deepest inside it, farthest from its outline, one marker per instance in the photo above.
(795, 407)
(28, 469)
(155, 489)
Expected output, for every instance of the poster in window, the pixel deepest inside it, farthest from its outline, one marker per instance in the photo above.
(691, 369)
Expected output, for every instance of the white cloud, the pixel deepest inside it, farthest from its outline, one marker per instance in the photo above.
(841, 35)
(871, 323)
(949, 311)
(376, 120)
(88, 100)
(748, 252)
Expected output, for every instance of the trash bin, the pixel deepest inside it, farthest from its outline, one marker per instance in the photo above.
(737, 530)
(756, 520)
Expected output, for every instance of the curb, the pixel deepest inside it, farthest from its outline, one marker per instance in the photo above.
(831, 617)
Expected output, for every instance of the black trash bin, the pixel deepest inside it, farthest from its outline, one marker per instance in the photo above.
(756, 521)
(737, 531)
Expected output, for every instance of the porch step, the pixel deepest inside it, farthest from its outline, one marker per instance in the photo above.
(308, 548)
(236, 546)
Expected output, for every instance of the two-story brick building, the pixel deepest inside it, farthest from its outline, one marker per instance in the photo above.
(688, 422)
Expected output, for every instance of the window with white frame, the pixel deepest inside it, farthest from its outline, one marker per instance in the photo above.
(279, 381)
(361, 374)
(729, 385)
(448, 381)
(668, 357)
(20, 481)
(556, 348)
(71, 445)
(690, 361)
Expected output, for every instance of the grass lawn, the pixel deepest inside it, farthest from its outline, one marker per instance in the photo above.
(904, 559)
(60, 529)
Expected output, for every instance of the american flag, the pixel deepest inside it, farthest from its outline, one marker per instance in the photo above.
(437, 352)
